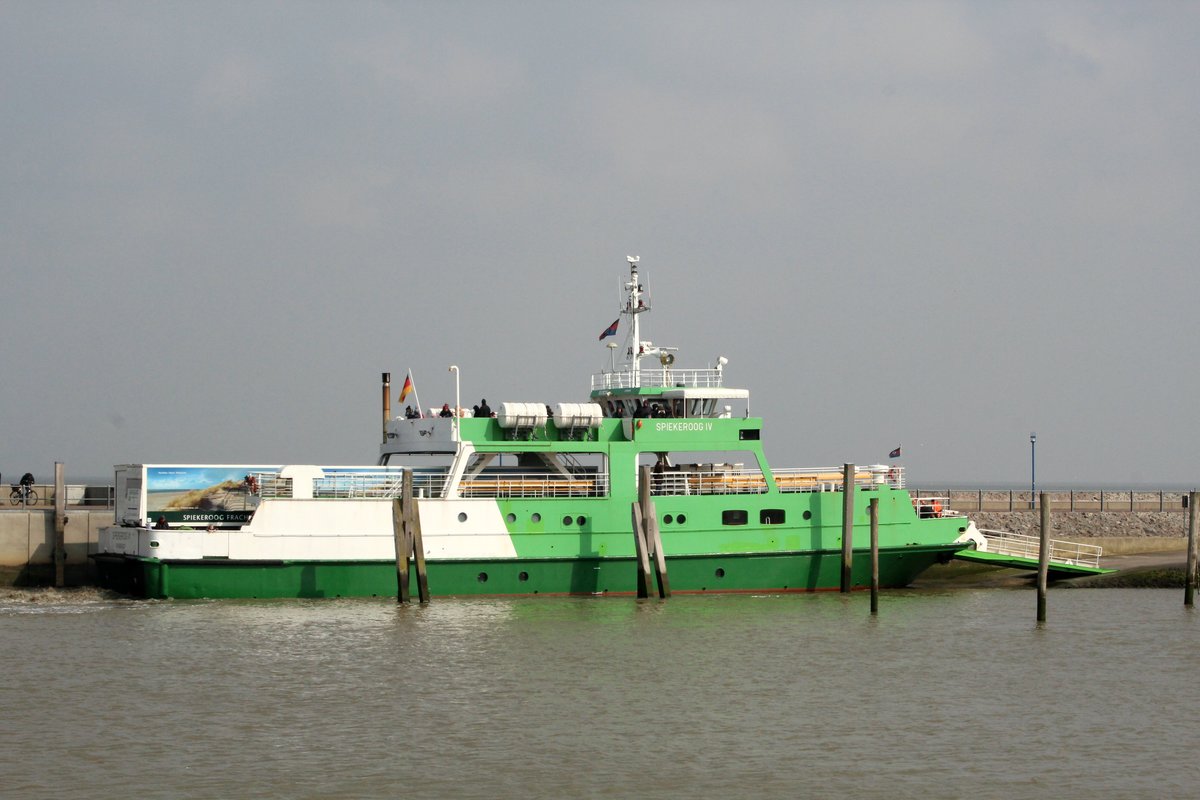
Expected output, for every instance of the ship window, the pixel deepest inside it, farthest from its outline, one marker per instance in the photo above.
(535, 517)
(680, 519)
(771, 516)
(734, 517)
(748, 434)
(535, 474)
(808, 515)
(580, 520)
(668, 519)
(703, 472)
(567, 520)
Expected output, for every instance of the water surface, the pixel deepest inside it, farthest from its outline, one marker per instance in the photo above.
(953, 693)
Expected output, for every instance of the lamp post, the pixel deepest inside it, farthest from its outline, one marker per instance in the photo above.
(1032, 469)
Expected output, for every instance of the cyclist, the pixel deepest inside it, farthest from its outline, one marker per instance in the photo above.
(26, 483)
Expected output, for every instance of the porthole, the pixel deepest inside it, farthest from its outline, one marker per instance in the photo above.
(510, 517)
(462, 516)
(535, 517)
(668, 519)
(567, 520)
(720, 573)
(680, 519)
(523, 576)
(808, 515)
(580, 520)
(482, 577)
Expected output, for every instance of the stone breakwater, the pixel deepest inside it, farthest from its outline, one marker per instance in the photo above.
(1118, 533)
(1087, 524)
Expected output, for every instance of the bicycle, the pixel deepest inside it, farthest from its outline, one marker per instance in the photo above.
(23, 495)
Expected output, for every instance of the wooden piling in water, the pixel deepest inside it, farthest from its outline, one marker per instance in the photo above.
(874, 555)
(1043, 573)
(643, 556)
(418, 549)
(400, 536)
(648, 540)
(847, 525)
(60, 526)
(1189, 580)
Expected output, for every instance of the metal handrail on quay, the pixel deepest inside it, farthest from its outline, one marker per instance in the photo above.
(1078, 500)
(1023, 546)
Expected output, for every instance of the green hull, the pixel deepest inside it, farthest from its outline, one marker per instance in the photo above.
(775, 572)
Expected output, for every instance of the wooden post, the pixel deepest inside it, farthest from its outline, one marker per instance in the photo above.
(648, 541)
(654, 544)
(874, 555)
(1189, 580)
(60, 526)
(847, 525)
(418, 546)
(400, 535)
(643, 558)
(1043, 559)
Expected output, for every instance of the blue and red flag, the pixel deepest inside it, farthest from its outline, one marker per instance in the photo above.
(895, 453)
(611, 330)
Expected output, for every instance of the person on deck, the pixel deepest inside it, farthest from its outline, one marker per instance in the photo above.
(643, 410)
(409, 413)
(161, 525)
(445, 412)
(483, 410)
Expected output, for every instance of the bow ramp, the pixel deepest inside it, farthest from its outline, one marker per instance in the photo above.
(1018, 551)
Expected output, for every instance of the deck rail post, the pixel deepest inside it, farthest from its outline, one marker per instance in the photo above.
(847, 525)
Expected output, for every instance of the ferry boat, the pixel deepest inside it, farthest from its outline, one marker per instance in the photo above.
(534, 499)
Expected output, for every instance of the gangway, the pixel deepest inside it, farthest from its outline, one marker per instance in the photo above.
(1020, 551)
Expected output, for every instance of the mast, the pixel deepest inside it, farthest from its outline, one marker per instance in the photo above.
(634, 306)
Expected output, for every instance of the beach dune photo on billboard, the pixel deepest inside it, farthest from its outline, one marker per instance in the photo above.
(201, 494)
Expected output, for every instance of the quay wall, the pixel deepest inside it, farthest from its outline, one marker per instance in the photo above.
(27, 546)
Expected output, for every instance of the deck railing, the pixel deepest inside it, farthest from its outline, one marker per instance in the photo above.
(534, 484)
(1022, 546)
(666, 378)
(751, 481)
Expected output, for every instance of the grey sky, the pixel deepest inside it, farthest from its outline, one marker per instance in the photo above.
(941, 225)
